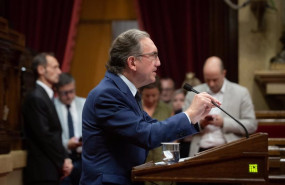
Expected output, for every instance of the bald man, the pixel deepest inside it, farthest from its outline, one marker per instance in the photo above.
(217, 127)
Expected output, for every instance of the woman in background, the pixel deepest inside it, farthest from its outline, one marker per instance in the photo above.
(158, 110)
(151, 101)
(178, 100)
(177, 104)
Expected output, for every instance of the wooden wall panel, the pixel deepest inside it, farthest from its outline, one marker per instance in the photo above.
(91, 55)
(108, 9)
(256, 48)
(11, 51)
(94, 40)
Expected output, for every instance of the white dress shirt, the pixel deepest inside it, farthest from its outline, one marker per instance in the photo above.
(77, 125)
(213, 135)
(48, 90)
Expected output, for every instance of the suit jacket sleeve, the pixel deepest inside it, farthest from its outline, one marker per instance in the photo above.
(116, 113)
(241, 108)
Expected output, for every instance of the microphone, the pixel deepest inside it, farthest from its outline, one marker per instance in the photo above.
(188, 87)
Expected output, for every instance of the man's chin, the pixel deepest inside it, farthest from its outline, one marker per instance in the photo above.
(152, 80)
(148, 82)
(55, 81)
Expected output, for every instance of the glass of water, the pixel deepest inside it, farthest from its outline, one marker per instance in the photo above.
(170, 152)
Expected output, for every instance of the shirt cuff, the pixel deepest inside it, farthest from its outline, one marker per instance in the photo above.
(196, 125)
(187, 117)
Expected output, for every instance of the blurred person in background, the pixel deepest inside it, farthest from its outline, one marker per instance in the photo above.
(69, 109)
(178, 100)
(217, 127)
(177, 105)
(167, 89)
(47, 160)
(156, 109)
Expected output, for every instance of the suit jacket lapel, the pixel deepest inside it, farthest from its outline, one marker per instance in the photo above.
(227, 96)
(122, 86)
(48, 101)
(44, 94)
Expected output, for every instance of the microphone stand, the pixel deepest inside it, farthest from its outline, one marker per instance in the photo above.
(190, 88)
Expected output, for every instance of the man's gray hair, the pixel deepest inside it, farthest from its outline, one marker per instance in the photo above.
(125, 45)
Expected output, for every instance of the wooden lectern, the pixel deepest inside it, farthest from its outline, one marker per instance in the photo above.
(244, 160)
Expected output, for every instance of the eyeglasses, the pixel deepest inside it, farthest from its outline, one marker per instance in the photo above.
(152, 54)
(65, 93)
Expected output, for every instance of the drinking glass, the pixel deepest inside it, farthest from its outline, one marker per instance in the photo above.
(170, 152)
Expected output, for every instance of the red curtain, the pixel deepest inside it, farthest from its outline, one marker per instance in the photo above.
(45, 23)
(70, 44)
(182, 31)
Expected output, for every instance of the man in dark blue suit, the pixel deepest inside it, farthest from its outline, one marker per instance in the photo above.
(117, 133)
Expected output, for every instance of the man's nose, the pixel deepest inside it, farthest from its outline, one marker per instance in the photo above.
(151, 99)
(211, 83)
(158, 62)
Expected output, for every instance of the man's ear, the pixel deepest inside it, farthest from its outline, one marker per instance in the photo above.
(40, 69)
(131, 62)
(224, 72)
